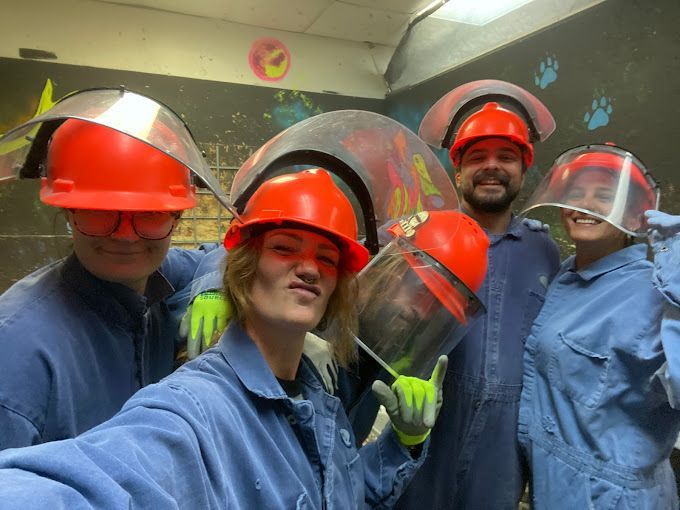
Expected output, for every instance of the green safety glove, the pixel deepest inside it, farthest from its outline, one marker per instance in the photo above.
(402, 364)
(413, 404)
(204, 321)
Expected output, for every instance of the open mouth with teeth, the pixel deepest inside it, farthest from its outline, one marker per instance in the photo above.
(587, 221)
(490, 182)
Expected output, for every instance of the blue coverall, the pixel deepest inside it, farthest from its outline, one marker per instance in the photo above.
(74, 348)
(220, 432)
(599, 409)
(475, 461)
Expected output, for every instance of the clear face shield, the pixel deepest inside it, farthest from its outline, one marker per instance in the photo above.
(412, 309)
(439, 125)
(604, 181)
(388, 169)
(23, 149)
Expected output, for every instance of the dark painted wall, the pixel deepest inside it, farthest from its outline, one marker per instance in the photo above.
(237, 118)
(611, 73)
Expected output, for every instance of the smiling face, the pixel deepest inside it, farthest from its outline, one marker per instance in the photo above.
(490, 175)
(593, 190)
(296, 275)
(122, 257)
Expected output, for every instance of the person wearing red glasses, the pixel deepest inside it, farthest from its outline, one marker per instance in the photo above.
(81, 335)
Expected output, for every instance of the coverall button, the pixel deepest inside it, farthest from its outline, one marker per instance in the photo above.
(346, 437)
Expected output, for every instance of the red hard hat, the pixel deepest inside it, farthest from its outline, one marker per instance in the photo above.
(493, 121)
(463, 253)
(90, 166)
(309, 198)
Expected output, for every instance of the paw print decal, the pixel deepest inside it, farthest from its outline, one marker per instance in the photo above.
(547, 72)
(599, 113)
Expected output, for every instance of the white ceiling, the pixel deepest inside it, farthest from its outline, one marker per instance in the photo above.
(376, 21)
(381, 24)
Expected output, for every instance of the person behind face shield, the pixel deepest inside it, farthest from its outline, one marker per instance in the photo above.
(248, 424)
(421, 287)
(599, 406)
(418, 297)
(81, 335)
(480, 465)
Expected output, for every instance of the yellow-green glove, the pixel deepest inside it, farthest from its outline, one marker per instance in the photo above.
(413, 404)
(204, 321)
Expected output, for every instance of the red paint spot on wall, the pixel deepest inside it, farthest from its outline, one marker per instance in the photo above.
(269, 59)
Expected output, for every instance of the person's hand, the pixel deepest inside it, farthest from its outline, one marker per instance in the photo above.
(320, 354)
(661, 237)
(413, 404)
(535, 225)
(204, 321)
(661, 225)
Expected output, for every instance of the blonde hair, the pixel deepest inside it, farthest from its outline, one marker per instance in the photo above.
(340, 312)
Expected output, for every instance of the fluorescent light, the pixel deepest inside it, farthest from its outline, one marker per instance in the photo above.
(477, 12)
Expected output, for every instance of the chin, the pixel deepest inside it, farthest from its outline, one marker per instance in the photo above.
(303, 321)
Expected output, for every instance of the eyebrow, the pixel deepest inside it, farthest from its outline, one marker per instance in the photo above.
(591, 186)
(509, 150)
(328, 246)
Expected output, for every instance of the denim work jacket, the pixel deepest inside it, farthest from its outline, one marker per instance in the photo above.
(75, 347)
(598, 414)
(220, 432)
(475, 459)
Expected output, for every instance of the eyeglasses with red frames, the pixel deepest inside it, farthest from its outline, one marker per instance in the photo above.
(151, 225)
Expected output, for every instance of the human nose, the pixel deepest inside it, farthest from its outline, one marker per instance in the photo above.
(493, 163)
(125, 231)
(584, 202)
(307, 268)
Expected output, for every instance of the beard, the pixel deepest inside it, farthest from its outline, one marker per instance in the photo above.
(487, 202)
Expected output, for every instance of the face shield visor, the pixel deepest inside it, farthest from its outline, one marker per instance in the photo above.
(604, 181)
(23, 149)
(440, 124)
(389, 171)
(412, 309)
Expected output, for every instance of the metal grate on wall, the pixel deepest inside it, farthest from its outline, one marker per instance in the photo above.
(208, 221)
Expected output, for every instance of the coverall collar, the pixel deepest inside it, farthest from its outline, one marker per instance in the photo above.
(251, 368)
(514, 229)
(606, 264)
(127, 305)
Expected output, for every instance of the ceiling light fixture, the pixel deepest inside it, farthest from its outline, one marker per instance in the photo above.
(476, 12)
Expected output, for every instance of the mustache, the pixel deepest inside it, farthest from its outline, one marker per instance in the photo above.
(498, 175)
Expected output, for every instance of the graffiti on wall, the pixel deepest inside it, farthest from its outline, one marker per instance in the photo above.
(269, 59)
(291, 106)
(600, 111)
(547, 72)
(44, 103)
(410, 181)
